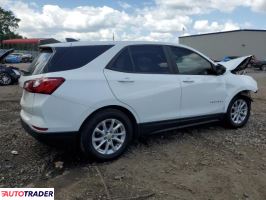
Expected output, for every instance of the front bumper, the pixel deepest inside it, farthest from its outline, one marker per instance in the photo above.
(57, 138)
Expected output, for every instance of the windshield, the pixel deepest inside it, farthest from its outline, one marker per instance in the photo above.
(39, 62)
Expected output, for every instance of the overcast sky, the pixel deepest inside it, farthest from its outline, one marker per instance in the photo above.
(163, 20)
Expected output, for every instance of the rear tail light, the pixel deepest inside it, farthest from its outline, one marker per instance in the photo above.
(43, 85)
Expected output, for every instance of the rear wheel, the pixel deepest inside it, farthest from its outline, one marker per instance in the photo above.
(5, 79)
(106, 135)
(238, 112)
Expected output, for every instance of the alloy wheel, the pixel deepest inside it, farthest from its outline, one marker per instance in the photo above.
(108, 136)
(5, 79)
(239, 111)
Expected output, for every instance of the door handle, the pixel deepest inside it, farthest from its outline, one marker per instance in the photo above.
(188, 81)
(126, 80)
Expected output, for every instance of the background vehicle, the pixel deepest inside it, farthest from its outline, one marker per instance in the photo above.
(8, 75)
(106, 93)
(18, 58)
(227, 58)
(259, 64)
(26, 58)
(13, 58)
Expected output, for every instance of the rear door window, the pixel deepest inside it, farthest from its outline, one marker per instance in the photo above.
(66, 58)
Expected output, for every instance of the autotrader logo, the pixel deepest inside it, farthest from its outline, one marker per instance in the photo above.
(26, 193)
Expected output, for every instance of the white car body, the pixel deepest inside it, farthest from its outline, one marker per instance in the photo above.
(148, 97)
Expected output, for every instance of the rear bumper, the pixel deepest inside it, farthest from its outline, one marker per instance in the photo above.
(57, 138)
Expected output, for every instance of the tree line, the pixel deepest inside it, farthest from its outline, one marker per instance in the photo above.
(8, 25)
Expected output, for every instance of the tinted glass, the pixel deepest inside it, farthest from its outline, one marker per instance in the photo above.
(65, 58)
(74, 57)
(149, 59)
(38, 64)
(189, 62)
(122, 63)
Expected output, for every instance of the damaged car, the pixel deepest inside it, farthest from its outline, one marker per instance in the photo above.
(237, 65)
(258, 64)
(104, 94)
(8, 74)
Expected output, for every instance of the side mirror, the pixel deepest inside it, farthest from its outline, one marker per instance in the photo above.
(219, 69)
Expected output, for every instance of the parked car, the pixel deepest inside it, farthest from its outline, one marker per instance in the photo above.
(8, 75)
(14, 58)
(26, 58)
(227, 58)
(107, 93)
(19, 58)
(259, 64)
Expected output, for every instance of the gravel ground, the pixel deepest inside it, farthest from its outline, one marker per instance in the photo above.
(206, 162)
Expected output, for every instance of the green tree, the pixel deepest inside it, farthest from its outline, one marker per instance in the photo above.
(8, 24)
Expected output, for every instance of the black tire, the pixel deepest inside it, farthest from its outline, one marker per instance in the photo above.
(6, 76)
(87, 130)
(228, 119)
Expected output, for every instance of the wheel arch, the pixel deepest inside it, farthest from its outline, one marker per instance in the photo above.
(126, 111)
(242, 93)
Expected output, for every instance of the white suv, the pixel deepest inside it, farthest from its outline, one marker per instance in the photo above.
(107, 93)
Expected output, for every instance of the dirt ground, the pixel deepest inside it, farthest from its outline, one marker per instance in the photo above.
(206, 162)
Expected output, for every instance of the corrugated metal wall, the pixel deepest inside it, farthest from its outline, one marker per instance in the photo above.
(238, 43)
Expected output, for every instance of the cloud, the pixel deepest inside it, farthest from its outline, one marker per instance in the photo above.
(203, 6)
(80, 18)
(204, 26)
(258, 5)
(96, 23)
(86, 21)
(163, 23)
(124, 5)
(162, 20)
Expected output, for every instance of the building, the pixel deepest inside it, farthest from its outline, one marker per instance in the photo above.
(31, 44)
(230, 43)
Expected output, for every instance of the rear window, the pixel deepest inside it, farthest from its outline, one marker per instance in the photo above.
(65, 58)
(40, 62)
(122, 63)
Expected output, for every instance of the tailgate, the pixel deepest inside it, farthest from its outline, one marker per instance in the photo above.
(27, 99)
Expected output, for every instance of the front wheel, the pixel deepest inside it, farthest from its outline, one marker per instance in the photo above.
(106, 135)
(238, 112)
